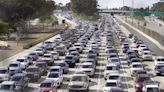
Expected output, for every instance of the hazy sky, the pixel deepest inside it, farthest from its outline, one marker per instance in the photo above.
(119, 3)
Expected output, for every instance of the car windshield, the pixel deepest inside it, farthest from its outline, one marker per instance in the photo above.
(47, 42)
(20, 60)
(87, 66)
(141, 72)
(114, 60)
(142, 79)
(32, 54)
(16, 78)
(152, 90)
(39, 49)
(3, 71)
(113, 77)
(111, 85)
(160, 67)
(54, 70)
(69, 57)
(31, 70)
(5, 87)
(137, 66)
(13, 65)
(47, 56)
(45, 85)
(79, 78)
(40, 64)
(53, 75)
(61, 64)
(160, 59)
(111, 68)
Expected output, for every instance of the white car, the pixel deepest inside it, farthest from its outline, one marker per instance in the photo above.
(114, 76)
(79, 47)
(24, 62)
(159, 60)
(14, 68)
(141, 47)
(140, 52)
(88, 68)
(4, 74)
(55, 54)
(111, 84)
(55, 69)
(111, 68)
(146, 55)
(56, 76)
(115, 60)
(48, 58)
(40, 51)
(135, 67)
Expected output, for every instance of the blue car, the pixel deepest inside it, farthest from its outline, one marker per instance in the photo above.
(33, 56)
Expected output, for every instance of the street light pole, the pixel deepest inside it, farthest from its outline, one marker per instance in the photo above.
(132, 11)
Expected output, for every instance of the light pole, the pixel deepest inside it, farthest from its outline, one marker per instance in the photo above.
(132, 11)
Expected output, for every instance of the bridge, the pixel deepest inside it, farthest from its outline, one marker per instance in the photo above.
(114, 11)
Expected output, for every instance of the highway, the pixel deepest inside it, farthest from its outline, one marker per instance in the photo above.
(98, 82)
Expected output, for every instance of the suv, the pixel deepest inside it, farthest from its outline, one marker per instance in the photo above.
(33, 73)
(20, 80)
(14, 68)
(79, 82)
(4, 74)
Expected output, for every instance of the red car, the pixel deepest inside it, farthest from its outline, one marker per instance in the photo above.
(47, 86)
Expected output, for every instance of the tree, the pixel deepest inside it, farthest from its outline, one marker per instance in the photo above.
(87, 7)
(17, 12)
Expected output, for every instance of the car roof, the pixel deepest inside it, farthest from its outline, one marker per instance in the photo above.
(55, 67)
(114, 81)
(3, 68)
(115, 74)
(32, 66)
(8, 83)
(14, 63)
(136, 63)
(111, 64)
(159, 57)
(47, 54)
(18, 74)
(87, 63)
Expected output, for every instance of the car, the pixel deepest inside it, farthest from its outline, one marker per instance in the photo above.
(116, 89)
(94, 57)
(33, 56)
(115, 60)
(56, 76)
(151, 86)
(110, 68)
(130, 35)
(135, 67)
(143, 72)
(79, 47)
(139, 81)
(21, 80)
(79, 82)
(33, 73)
(91, 61)
(64, 66)
(112, 55)
(145, 49)
(70, 60)
(61, 49)
(111, 84)
(24, 62)
(130, 57)
(159, 60)
(47, 86)
(4, 74)
(9, 86)
(55, 69)
(76, 54)
(134, 60)
(48, 58)
(40, 51)
(14, 67)
(142, 46)
(42, 67)
(146, 55)
(48, 45)
(159, 69)
(88, 68)
(55, 54)
(114, 76)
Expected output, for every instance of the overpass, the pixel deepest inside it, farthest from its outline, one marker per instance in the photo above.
(114, 11)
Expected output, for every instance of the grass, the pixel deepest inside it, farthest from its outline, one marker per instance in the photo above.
(89, 18)
(48, 20)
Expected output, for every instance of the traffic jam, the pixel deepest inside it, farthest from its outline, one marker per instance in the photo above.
(86, 59)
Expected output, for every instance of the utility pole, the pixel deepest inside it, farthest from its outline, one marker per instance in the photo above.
(132, 10)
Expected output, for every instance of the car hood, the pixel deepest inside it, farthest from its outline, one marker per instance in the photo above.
(133, 69)
(44, 89)
(55, 79)
(78, 83)
(111, 71)
(4, 75)
(13, 68)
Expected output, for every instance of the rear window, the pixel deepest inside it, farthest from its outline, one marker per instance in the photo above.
(45, 85)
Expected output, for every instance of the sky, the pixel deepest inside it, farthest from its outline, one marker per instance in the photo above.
(119, 3)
